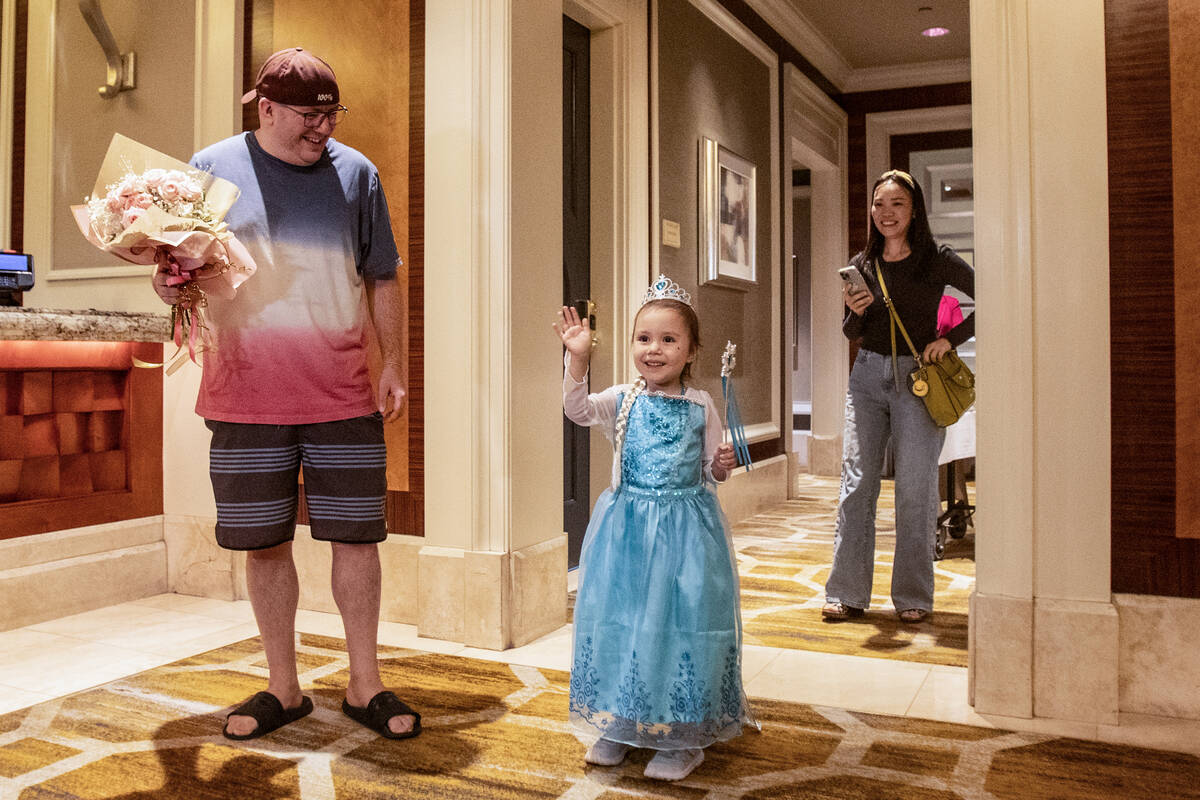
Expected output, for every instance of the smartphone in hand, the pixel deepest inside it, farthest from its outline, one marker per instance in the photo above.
(854, 279)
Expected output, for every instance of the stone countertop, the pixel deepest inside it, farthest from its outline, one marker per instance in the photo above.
(90, 325)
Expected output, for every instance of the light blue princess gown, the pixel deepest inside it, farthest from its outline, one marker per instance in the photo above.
(657, 642)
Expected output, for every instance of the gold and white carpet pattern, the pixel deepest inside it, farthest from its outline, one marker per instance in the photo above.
(494, 730)
(784, 557)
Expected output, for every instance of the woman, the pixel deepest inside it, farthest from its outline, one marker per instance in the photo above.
(879, 403)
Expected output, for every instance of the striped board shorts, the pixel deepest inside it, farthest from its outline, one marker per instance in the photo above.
(255, 469)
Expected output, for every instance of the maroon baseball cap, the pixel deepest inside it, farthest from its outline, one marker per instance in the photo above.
(296, 77)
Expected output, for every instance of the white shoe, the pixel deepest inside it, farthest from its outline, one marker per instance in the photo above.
(673, 765)
(607, 753)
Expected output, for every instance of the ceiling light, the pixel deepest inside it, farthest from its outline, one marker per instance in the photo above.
(935, 31)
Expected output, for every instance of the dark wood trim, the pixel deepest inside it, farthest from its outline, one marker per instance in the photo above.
(904, 145)
(17, 197)
(258, 21)
(405, 511)
(857, 106)
(761, 451)
(1146, 556)
(408, 516)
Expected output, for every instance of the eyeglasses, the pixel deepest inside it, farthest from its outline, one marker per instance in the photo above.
(313, 119)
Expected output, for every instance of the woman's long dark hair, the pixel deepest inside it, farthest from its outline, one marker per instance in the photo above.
(919, 236)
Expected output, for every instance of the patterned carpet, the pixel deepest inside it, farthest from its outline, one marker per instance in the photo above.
(498, 731)
(784, 557)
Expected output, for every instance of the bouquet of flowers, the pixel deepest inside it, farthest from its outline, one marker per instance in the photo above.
(148, 208)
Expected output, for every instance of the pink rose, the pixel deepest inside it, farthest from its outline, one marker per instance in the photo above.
(170, 190)
(130, 185)
(153, 178)
(191, 191)
(131, 215)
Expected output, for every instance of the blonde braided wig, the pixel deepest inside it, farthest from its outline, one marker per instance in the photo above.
(622, 420)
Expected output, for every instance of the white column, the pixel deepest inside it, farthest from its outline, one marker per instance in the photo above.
(1043, 627)
(492, 572)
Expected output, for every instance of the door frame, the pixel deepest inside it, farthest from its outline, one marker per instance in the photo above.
(816, 132)
(620, 180)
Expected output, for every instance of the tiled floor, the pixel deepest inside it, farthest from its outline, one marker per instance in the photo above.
(63, 656)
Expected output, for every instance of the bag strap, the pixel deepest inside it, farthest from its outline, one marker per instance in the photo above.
(895, 321)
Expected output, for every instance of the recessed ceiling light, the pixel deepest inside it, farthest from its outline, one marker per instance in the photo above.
(935, 31)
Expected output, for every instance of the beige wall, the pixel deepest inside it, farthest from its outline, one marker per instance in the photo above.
(69, 126)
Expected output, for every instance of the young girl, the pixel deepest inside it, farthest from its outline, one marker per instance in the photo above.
(657, 652)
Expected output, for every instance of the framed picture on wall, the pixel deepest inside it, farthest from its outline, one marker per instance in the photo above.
(727, 218)
(951, 190)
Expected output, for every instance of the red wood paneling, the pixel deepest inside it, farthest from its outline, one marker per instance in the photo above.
(82, 435)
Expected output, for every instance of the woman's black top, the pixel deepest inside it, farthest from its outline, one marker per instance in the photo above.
(916, 294)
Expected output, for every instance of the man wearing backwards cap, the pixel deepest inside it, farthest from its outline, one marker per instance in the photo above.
(286, 383)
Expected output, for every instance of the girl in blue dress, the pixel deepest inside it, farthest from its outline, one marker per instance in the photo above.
(657, 645)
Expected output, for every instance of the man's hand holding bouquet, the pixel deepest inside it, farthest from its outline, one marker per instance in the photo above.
(149, 208)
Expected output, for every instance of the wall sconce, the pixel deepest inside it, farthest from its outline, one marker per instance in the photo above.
(121, 66)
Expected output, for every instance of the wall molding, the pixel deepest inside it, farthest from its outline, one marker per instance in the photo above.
(881, 127)
(756, 47)
(817, 134)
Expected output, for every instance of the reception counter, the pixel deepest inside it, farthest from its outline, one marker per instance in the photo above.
(80, 424)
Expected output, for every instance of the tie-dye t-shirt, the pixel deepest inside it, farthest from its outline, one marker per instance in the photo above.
(291, 347)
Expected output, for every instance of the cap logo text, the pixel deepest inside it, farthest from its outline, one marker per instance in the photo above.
(324, 98)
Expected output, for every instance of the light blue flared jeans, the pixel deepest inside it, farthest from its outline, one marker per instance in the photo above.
(875, 410)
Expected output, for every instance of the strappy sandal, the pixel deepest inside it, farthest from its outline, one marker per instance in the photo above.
(383, 707)
(839, 611)
(913, 616)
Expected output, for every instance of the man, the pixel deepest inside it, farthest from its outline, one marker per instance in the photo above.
(286, 383)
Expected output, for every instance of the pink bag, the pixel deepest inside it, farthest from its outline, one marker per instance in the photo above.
(949, 315)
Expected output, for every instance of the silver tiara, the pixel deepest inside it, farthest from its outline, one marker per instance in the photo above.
(666, 289)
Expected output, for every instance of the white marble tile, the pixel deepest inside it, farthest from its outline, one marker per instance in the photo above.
(163, 635)
(14, 699)
(755, 659)
(17, 644)
(398, 634)
(92, 625)
(169, 601)
(1159, 639)
(1162, 733)
(320, 623)
(62, 670)
(190, 639)
(943, 697)
(1048, 727)
(552, 651)
(231, 610)
(874, 685)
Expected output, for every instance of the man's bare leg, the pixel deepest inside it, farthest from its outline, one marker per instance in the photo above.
(356, 589)
(274, 594)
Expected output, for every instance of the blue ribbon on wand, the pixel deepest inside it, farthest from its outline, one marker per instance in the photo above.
(733, 414)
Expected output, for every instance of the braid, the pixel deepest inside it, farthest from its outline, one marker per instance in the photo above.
(623, 418)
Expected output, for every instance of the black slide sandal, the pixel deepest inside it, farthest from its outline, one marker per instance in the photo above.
(270, 714)
(376, 714)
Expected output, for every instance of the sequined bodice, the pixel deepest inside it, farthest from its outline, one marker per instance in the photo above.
(664, 443)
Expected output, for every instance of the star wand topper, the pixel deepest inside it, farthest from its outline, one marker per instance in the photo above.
(733, 415)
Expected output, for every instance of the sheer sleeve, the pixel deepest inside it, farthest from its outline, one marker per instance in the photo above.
(588, 409)
(714, 433)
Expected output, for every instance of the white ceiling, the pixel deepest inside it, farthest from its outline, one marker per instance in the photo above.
(876, 44)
